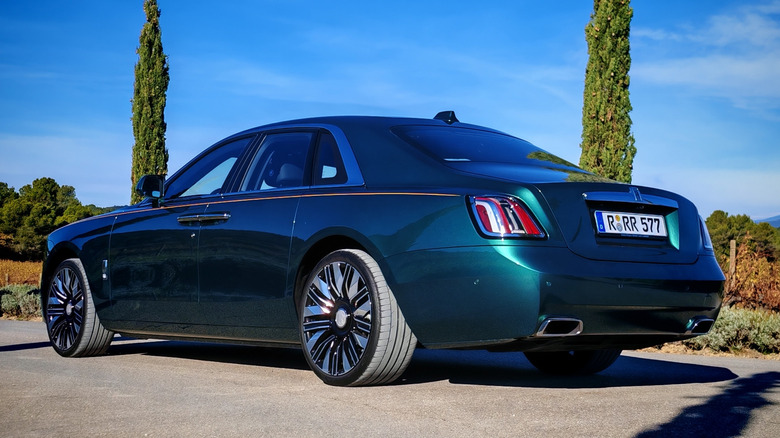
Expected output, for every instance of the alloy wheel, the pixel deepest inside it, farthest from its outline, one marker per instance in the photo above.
(337, 318)
(65, 308)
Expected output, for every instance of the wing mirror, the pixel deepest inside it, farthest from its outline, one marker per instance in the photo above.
(151, 186)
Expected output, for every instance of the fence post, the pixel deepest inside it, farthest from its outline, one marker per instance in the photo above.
(732, 263)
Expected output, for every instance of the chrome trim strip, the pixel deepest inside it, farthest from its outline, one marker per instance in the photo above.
(270, 198)
(631, 197)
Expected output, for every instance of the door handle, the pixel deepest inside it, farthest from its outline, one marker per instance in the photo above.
(214, 217)
(203, 218)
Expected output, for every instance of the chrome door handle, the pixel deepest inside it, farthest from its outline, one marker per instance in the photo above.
(203, 218)
(188, 219)
(214, 217)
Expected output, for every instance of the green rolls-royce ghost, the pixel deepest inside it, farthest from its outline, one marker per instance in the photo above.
(359, 239)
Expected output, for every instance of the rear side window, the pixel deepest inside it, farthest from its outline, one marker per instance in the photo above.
(328, 165)
(453, 145)
(280, 162)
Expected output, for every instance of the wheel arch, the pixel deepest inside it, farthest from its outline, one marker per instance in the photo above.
(317, 252)
(58, 254)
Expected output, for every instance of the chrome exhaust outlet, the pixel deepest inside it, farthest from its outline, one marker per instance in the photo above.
(699, 325)
(559, 327)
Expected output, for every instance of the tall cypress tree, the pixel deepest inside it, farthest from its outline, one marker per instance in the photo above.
(607, 142)
(151, 83)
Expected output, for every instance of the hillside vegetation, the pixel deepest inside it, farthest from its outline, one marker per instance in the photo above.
(753, 275)
(29, 215)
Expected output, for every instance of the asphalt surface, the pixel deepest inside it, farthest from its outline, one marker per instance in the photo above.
(171, 389)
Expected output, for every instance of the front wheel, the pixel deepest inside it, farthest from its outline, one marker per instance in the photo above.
(352, 330)
(71, 320)
(579, 362)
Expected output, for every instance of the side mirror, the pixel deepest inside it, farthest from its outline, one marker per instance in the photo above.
(150, 186)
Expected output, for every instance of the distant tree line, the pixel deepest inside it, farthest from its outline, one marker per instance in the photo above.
(37, 209)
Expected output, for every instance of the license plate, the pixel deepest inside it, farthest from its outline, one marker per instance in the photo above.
(630, 224)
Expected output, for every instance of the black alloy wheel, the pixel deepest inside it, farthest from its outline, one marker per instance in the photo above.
(352, 331)
(71, 320)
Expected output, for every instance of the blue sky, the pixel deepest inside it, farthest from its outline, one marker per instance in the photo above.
(705, 82)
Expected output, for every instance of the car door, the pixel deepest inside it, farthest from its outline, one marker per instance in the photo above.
(153, 269)
(243, 261)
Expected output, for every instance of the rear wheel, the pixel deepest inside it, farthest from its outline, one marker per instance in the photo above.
(580, 362)
(352, 330)
(71, 320)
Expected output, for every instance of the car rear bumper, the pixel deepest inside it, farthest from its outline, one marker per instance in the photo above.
(488, 296)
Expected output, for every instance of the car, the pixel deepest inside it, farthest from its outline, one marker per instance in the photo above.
(359, 239)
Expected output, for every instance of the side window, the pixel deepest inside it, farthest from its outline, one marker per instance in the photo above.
(208, 174)
(328, 165)
(280, 162)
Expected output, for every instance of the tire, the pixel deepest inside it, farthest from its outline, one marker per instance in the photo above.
(580, 362)
(352, 331)
(69, 313)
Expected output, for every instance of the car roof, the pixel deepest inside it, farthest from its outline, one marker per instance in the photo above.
(368, 121)
(383, 158)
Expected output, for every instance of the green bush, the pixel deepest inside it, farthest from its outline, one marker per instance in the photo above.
(20, 301)
(741, 329)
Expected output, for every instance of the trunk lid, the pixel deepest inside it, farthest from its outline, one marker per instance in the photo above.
(625, 223)
(577, 197)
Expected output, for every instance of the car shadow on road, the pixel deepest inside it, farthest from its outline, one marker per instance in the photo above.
(21, 347)
(723, 415)
(290, 358)
(473, 367)
(512, 369)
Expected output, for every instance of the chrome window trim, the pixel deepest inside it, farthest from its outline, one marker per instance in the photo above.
(354, 175)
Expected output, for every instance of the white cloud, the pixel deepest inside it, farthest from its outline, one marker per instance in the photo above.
(732, 76)
(734, 56)
(736, 191)
(755, 25)
(750, 25)
(655, 34)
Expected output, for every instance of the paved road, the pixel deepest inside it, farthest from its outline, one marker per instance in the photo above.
(162, 389)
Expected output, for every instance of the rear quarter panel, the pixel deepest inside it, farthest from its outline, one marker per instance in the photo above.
(427, 238)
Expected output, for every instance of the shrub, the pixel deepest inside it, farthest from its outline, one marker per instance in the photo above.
(20, 301)
(741, 329)
(755, 283)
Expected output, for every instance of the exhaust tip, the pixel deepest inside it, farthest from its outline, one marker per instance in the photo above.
(699, 325)
(559, 327)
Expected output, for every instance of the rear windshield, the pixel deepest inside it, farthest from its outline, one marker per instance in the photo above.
(451, 144)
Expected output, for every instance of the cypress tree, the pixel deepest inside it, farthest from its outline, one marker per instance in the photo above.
(607, 142)
(151, 83)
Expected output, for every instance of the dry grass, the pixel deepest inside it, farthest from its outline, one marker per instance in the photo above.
(12, 272)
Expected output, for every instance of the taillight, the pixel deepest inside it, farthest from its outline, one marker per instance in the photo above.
(705, 234)
(502, 216)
